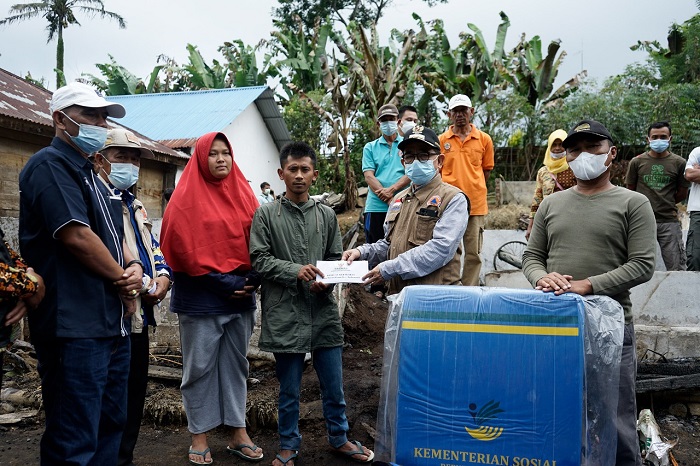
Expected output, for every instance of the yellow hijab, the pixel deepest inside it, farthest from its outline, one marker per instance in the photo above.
(559, 165)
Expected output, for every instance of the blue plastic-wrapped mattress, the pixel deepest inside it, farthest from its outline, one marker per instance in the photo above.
(489, 376)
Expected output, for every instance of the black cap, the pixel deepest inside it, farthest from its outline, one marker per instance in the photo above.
(422, 134)
(591, 127)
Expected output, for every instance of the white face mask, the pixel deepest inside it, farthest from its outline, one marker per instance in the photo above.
(589, 166)
(557, 155)
(407, 125)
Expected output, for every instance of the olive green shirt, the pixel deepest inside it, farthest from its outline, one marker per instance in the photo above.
(608, 238)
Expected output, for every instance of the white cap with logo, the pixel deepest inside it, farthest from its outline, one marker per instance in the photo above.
(83, 95)
(460, 100)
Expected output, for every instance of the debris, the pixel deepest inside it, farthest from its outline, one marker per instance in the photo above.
(17, 417)
(163, 372)
(656, 450)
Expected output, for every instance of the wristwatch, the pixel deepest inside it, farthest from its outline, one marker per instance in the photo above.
(135, 261)
(167, 275)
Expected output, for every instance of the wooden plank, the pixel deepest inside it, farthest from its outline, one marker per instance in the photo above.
(660, 384)
(167, 373)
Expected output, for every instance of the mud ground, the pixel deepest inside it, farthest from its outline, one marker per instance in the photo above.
(164, 438)
(161, 445)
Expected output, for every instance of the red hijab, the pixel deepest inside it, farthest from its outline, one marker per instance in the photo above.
(206, 226)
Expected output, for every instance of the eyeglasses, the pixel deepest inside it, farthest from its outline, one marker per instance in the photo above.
(409, 158)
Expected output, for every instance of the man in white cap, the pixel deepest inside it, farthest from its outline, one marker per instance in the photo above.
(71, 228)
(118, 164)
(469, 159)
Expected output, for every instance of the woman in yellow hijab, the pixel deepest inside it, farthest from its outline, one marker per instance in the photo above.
(554, 176)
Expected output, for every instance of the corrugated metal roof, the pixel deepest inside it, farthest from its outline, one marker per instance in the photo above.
(25, 101)
(181, 117)
(22, 100)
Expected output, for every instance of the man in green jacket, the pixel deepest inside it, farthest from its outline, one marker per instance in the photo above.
(299, 314)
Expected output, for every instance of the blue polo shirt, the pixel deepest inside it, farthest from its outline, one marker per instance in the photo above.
(57, 187)
(384, 159)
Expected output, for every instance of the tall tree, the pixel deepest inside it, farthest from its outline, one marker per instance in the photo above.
(363, 12)
(59, 15)
(680, 62)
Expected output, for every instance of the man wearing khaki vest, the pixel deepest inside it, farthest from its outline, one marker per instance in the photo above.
(424, 225)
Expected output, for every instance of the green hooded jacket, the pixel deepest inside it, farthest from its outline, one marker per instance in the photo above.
(283, 238)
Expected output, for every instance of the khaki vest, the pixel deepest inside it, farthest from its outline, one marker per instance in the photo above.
(411, 220)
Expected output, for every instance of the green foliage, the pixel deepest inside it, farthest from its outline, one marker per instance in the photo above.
(469, 69)
(37, 82)
(300, 56)
(504, 116)
(303, 121)
(242, 64)
(680, 62)
(364, 131)
(121, 81)
(59, 14)
(362, 12)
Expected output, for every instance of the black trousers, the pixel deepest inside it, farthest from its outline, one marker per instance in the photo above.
(138, 380)
(374, 226)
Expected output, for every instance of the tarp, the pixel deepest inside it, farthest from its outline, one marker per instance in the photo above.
(487, 376)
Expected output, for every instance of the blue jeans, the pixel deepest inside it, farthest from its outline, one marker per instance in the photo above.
(84, 387)
(328, 363)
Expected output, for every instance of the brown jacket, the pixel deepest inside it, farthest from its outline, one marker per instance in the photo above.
(411, 219)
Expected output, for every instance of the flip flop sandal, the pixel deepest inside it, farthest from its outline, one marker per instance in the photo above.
(358, 451)
(238, 451)
(291, 457)
(202, 454)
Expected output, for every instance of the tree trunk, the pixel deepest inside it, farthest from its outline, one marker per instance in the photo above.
(350, 190)
(60, 76)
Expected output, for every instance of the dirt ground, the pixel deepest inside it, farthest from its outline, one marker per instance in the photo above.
(167, 445)
(164, 438)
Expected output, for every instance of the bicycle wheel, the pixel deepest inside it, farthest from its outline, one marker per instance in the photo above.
(509, 256)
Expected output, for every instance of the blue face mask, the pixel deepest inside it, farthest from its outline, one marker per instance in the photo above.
(420, 172)
(90, 138)
(659, 145)
(388, 128)
(122, 175)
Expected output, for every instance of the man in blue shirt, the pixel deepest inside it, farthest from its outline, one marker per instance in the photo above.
(383, 171)
(70, 229)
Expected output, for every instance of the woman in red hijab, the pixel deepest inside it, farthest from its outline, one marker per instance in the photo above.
(205, 236)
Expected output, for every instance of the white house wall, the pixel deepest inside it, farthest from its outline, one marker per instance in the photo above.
(254, 150)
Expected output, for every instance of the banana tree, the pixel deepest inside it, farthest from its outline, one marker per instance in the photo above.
(120, 81)
(299, 57)
(383, 72)
(338, 110)
(199, 75)
(469, 69)
(531, 74)
(243, 65)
